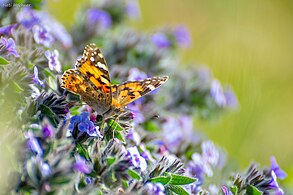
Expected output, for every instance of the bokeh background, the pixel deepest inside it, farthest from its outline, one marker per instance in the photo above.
(247, 44)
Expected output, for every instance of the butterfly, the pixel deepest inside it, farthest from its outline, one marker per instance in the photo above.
(91, 81)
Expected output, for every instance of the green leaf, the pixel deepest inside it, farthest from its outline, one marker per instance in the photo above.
(60, 180)
(178, 190)
(17, 88)
(134, 174)
(3, 61)
(151, 126)
(111, 160)
(48, 73)
(74, 110)
(161, 179)
(114, 125)
(82, 151)
(119, 136)
(46, 110)
(181, 180)
(251, 190)
(234, 189)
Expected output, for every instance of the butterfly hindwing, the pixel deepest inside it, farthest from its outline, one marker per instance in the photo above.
(129, 91)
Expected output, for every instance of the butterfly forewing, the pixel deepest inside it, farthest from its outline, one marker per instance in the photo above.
(129, 91)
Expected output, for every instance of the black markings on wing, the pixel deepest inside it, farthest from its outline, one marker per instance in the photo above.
(129, 91)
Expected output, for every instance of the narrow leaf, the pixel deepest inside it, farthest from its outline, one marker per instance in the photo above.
(178, 190)
(114, 125)
(251, 190)
(3, 61)
(161, 179)
(134, 174)
(181, 180)
(82, 151)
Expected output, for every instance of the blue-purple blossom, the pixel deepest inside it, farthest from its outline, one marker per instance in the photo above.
(274, 184)
(182, 36)
(195, 168)
(43, 167)
(210, 153)
(8, 47)
(281, 174)
(137, 160)
(132, 9)
(216, 92)
(226, 191)
(35, 77)
(135, 108)
(33, 144)
(53, 61)
(231, 99)
(155, 188)
(42, 36)
(56, 29)
(134, 136)
(81, 165)
(160, 40)
(47, 131)
(27, 17)
(98, 20)
(84, 124)
(194, 188)
(135, 74)
(8, 30)
(176, 130)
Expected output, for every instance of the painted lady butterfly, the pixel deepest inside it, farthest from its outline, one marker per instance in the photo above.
(91, 81)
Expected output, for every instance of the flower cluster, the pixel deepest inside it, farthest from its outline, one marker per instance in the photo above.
(149, 147)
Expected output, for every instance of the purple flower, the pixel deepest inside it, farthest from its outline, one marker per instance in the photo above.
(135, 74)
(47, 131)
(194, 188)
(274, 184)
(231, 99)
(36, 79)
(43, 167)
(28, 18)
(210, 153)
(182, 36)
(155, 188)
(160, 40)
(226, 191)
(56, 29)
(134, 136)
(216, 92)
(98, 20)
(84, 124)
(277, 170)
(176, 130)
(8, 30)
(33, 144)
(54, 63)
(137, 160)
(195, 168)
(132, 9)
(135, 108)
(42, 36)
(81, 165)
(8, 47)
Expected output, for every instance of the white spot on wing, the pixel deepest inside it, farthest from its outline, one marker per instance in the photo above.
(151, 87)
(100, 55)
(102, 66)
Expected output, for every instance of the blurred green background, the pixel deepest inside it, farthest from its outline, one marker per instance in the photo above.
(247, 44)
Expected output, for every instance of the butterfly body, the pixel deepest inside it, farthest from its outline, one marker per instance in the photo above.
(91, 81)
